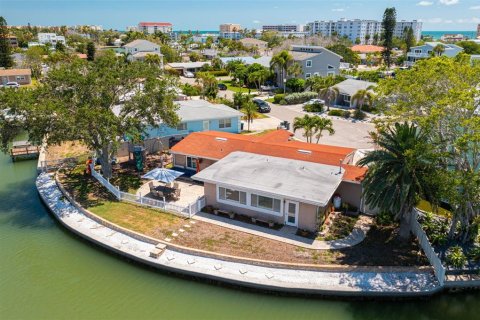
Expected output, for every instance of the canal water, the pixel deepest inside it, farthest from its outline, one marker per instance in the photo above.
(46, 273)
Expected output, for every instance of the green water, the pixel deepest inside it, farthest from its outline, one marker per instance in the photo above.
(46, 273)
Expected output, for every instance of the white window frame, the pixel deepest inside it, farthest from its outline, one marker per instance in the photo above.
(308, 75)
(225, 123)
(193, 161)
(264, 208)
(232, 202)
(182, 126)
(309, 63)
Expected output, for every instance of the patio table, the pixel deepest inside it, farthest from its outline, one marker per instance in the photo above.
(167, 191)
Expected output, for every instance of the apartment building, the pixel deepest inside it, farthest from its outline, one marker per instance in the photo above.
(283, 28)
(230, 31)
(52, 38)
(364, 30)
(153, 27)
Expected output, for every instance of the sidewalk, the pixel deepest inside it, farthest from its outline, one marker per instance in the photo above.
(285, 235)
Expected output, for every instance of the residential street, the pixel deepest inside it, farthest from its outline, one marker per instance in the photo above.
(347, 133)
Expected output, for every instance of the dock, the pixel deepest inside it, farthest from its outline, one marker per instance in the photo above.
(24, 150)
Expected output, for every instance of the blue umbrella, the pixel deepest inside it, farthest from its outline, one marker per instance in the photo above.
(163, 175)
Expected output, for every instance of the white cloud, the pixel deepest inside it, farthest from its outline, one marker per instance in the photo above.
(425, 3)
(256, 21)
(469, 20)
(338, 10)
(433, 20)
(474, 8)
(449, 2)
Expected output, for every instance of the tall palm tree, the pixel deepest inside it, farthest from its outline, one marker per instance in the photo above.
(295, 69)
(439, 50)
(282, 60)
(363, 97)
(307, 124)
(250, 110)
(322, 124)
(400, 173)
(329, 94)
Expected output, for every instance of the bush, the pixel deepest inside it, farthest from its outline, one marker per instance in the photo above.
(474, 254)
(296, 98)
(346, 114)
(295, 84)
(220, 73)
(190, 90)
(384, 218)
(313, 107)
(359, 114)
(455, 257)
(335, 113)
(278, 98)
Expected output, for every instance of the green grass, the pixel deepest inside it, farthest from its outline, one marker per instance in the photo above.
(270, 100)
(230, 87)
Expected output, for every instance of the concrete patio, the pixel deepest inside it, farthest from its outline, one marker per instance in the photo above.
(190, 192)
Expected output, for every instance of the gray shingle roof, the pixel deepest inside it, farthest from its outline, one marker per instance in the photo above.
(195, 110)
(352, 86)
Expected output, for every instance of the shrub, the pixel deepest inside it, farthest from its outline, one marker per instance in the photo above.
(278, 98)
(296, 98)
(295, 84)
(190, 90)
(455, 257)
(313, 107)
(346, 114)
(384, 218)
(219, 73)
(359, 114)
(335, 113)
(474, 254)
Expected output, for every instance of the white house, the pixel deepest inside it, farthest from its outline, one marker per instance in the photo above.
(139, 49)
(427, 50)
(52, 38)
(153, 27)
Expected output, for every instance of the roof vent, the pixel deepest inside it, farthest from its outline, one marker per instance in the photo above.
(220, 139)
(305, 151)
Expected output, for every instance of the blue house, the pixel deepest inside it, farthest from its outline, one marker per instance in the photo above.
(200, 115)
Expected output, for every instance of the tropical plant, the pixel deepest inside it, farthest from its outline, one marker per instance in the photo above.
(153, 59)
(307, 124)
(209, 85)
(281, 61)
(322, 124)
(295, 69)
(389, 23)
(250, 110)
(439, 49)
(329, 94)
(90, 51)
(400, 172)
(363, 97)
(295, 84)
(299, 97)
(455, 257)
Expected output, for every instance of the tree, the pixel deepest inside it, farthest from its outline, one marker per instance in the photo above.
(153, 59)
(295, 84)
(60, 47)
(363, 97)
(409, 38)
(33, 60)
(322, 124)
(376, 37)
(194, 56)
(307, 124)
(79, 101)
(259, 77)
(389, 22)
(250, 110)
(358, 41)
(295, 69)
(6, 60)
(209, 85)
(281, 61)
(441, 95)
(90, 51)
(469, 47)
(400, 173)
(439, 49)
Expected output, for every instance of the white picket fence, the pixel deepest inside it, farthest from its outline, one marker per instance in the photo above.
(184, 211)
(427, 248)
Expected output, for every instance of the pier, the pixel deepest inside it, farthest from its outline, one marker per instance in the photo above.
(24, 150)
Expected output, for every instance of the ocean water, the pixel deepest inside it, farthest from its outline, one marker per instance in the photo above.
(438, 34)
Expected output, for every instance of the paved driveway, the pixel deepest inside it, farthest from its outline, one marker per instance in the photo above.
(347, 132)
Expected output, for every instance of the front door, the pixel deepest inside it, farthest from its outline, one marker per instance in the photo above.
(206, 125)
(291, 213)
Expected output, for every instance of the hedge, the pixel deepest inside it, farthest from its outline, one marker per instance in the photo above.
(335, 113)
(278, 98)
(296, 98)
(219, 73)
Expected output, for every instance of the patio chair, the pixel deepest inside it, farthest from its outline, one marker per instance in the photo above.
(176, 185)
(176, 194)
(151, 186)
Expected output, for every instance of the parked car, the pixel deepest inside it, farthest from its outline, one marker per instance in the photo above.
(222, 86)
(263, 107)
(188, 74)
(12, 85)
(314, 101)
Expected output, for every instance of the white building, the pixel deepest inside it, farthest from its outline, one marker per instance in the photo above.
(138, 50)
(52, 38)
(283, 27)
(230, 31)
(153, 27)
(363, 30)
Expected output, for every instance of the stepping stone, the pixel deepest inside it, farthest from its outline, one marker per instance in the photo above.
(218, 266)
(168, 239)
(181, 230)
(243, 270)
(174, 234)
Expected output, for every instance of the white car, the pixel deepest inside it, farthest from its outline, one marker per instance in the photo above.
(313, 101)
(12, 84)
(188, 74)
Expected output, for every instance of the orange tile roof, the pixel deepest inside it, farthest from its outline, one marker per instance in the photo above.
(216, 145)
(366, 48)
(82, 55)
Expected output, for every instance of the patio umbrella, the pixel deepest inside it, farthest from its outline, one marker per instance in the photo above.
(162, 174)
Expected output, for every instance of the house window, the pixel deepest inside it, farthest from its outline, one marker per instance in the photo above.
(418, 51)
(192, 163)
(308, 75)
(330, 73)
(330, 67)
(309, 63)
(182, 126)
(224, 123)
(265, 203)
(231, 195)
(20, 78)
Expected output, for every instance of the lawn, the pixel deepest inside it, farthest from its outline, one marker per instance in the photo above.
(67, 150)
(230, 87)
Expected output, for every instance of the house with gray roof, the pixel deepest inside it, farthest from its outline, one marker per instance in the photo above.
(426, 51)
(348, 88)
(200, 115)
(314, 60)
(138, 50)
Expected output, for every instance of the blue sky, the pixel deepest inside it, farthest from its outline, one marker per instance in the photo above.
(208, 14)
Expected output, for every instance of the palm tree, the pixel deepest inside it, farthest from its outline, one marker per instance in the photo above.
(281, 60)
(307, 124)
(363, 97)
(250, 111)
(400, 173)
(322, 124)
(153, 59)
(329, 94)
(439, 50)
(295, 69)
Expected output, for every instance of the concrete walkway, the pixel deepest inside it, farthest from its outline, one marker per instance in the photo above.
(358, 234)
(351, 283)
